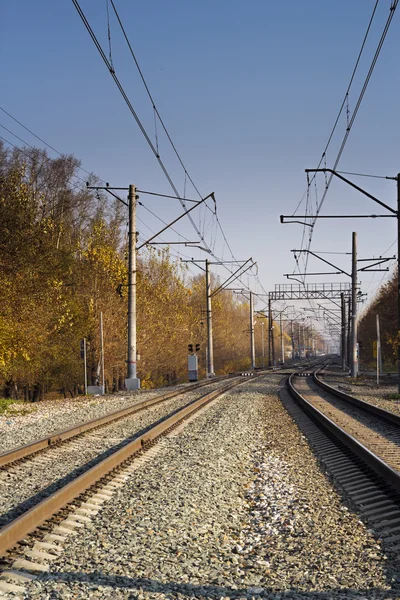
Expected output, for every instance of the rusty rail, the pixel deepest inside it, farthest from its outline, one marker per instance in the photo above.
(54, 438)
(374, 462)
(17, 530)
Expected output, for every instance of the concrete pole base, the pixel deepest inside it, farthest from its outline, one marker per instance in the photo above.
(133, 383)
(95, 390)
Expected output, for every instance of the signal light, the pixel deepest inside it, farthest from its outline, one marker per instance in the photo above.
(197, 347)
(190, 347)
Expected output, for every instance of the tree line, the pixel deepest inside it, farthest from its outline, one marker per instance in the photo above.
(63, 261)
(385, 305)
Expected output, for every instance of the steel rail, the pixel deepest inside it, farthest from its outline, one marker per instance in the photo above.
(20, 452)
(10, 456)
(365, 406)
(391, 476)
(18, 529)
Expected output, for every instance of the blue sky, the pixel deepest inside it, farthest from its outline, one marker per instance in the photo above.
(249, 93)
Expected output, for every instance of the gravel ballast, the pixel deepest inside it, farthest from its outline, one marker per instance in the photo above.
(32, 421)
(23, 485)
(41, 474)
(366, 390)
(233, 507)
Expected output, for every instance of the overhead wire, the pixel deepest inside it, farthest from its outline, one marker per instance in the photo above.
(75, 186)
(47, 159)
(22, 151)
(156, 112)
(44, 142)
(151, 98)
(136, 117)
(350, 121)
(178, 254)
(162, 221)
(361, 95)
(335, 125)
(132, 110)
(364, 175)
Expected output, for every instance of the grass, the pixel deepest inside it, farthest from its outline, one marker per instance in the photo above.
(392, 396)
(7, 408)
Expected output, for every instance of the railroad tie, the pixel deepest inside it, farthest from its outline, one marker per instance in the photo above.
(40, 555)
(11, 587)
(48, 546)
(15, 575)
(27, 565)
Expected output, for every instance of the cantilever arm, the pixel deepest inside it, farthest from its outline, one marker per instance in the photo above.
(323, 260)
(175, 221)
(356, 187)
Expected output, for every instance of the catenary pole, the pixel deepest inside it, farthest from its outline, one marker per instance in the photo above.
(262, 342)
(349, 334)
(132, 382)
(252, 346)
(292, 336)
(269, 332)
(210, 349)
(343, 325)
(398, 281)
(301, 339)
(272, 342)
(354, 358)
(378, 349)
(282, 345)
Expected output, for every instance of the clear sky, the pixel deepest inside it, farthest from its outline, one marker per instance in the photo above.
(249, 92)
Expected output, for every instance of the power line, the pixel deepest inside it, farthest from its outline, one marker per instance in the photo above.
(152, 100)
(162, 221)
(323, 157)
(74, 185)
(41, 140)
(22, 151)
(132, 110)
(358, 104)
(345, 95)
(70, 159)
(364, 175)
(156, 111)
(139, 123)
(360, 98)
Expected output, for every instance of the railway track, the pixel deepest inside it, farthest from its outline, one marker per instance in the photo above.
(105, 473)
(27, 480)
(358, 443)
(16, 454)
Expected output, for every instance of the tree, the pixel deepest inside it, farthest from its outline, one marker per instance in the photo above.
(385, 305)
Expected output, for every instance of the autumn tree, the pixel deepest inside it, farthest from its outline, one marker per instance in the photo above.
(63, 261)
(385, 305)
